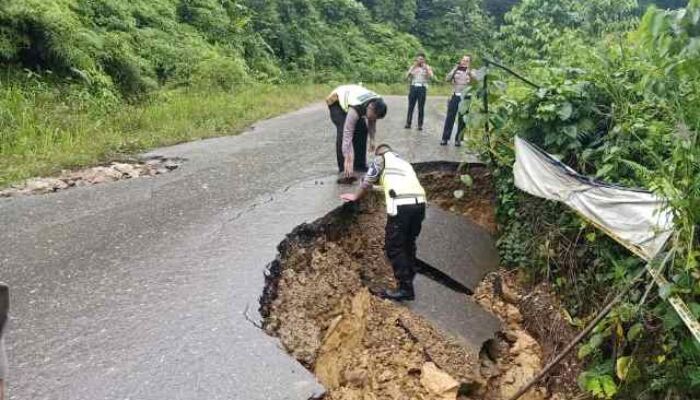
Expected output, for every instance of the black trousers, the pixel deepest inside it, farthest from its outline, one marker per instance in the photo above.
(452, 114)
(359, 139)
(417, 94)
(401, 233)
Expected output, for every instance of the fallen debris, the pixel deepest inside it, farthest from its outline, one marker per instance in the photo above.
(92, 176)
(318, 304)
(438, 383)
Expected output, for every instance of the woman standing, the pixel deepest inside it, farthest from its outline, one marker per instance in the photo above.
(419, 74)
(459, 77)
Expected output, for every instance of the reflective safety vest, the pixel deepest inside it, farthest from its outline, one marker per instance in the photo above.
(400, 183)
(354, 95)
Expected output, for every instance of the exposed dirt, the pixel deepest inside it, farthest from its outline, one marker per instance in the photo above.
(515, 357)
(360, 347)
(92, 176)
(543, 318)
(476, 201)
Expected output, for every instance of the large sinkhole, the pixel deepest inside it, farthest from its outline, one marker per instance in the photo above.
(464, 335)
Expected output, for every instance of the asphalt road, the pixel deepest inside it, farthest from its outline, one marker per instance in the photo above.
(148, 288)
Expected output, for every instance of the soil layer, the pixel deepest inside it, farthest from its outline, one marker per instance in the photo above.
(317, 302)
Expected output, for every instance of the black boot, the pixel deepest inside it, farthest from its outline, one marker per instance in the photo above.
(403, 293)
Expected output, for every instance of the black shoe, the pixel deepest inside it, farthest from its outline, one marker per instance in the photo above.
(458, 144)
(420, 128)
(408, 126)
(346, 180)
(403, 293)
(443, 143)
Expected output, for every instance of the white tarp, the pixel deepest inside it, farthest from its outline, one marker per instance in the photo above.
(637, 219)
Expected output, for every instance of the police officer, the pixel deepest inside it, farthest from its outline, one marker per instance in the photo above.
(405, 206)
(354, 111)
(420, 75)
(460, 78)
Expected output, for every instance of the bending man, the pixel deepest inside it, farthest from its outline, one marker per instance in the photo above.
(354, 110)
(405, 206)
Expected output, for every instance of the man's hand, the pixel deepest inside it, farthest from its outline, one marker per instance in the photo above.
(348, 197)
(348, 166)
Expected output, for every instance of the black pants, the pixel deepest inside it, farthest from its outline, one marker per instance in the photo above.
(402, 230)
(417, 94)
(359, 139)
(452, 114)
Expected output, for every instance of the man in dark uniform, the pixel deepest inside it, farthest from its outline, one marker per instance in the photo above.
(354, 111)
(405, 206)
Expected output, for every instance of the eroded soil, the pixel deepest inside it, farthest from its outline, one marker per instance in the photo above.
(360, 347)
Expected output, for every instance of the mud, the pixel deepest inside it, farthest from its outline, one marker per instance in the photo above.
(93, 176)
(360, 347)
(476, 201)
(317, 302)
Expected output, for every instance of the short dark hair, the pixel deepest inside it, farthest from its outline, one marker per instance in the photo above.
(379, 107)
(420, 54)
(382, 146)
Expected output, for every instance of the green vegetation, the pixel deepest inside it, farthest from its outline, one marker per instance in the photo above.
(42, 132)
(67, 65)
(84, 81)
(619, 101)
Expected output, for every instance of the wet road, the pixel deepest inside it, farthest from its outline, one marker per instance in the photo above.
(146, 289)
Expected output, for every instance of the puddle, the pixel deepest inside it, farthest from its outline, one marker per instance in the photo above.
(317, 302)
(111, 172)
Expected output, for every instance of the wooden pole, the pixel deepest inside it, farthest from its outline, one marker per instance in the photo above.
(585, 331)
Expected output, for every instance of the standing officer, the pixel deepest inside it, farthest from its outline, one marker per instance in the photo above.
(354, 111)
(459, 77)
(405, 206)
(419, 74)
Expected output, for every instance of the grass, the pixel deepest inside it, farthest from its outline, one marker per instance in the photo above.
(43, 132)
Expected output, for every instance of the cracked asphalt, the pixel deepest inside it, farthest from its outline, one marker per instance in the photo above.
(148, 288)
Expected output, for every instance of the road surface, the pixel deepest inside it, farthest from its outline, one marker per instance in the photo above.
(145, 289)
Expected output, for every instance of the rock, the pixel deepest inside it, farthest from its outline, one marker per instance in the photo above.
(44, 185)
(126, 169)
(438, 382)
(153, 161)
(513, 314)
(344, 335)
(170, 165)
(357, 377)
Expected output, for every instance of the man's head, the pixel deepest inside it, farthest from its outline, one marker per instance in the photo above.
(376, 109)
(420, 58)
(465, 61)
(382, 148)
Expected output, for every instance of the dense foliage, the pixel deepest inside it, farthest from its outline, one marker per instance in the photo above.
(135, 47)
(618, 101)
